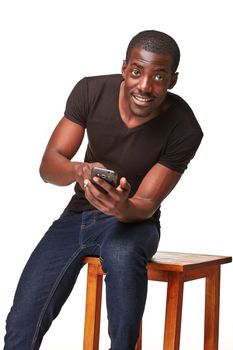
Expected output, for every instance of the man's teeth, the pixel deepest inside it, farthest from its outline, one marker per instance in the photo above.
(142, 99)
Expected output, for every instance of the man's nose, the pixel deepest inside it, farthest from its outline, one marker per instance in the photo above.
(145, 84)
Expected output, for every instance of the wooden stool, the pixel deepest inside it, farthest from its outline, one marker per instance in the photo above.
(175, 269)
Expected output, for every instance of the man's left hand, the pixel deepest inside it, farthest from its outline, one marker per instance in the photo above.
(113, 201)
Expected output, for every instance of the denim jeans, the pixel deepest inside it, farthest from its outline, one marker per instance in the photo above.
(52, 269)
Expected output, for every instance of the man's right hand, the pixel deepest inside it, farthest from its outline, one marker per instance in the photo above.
(83, 172)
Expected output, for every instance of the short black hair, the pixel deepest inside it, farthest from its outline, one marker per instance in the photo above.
(155, 41)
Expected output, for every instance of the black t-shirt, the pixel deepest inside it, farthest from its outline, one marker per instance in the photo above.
(171, 138)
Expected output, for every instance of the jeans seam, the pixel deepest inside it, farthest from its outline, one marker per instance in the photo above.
(49, 298)
(85, 226)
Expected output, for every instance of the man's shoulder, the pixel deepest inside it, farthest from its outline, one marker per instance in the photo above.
(183, 114)
(180, 107)
(102, 79)
(178, 102)
(98, 84)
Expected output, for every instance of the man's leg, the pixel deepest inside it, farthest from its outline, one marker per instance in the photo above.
(125, 253)
(45, 284)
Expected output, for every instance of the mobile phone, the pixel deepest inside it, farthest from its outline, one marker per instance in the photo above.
(106, 174)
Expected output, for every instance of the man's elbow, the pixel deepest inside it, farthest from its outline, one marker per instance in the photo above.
(43, 172)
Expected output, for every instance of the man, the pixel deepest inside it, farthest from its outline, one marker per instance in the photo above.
(148, 136)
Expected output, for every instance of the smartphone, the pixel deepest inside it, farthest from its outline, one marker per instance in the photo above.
(106, 174)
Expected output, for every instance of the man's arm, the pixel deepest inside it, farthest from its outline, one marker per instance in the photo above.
(56, 165)
(154, 188)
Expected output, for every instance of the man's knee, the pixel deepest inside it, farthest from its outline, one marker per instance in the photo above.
(121, 256)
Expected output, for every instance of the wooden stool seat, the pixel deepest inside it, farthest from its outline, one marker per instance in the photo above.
(175, 269)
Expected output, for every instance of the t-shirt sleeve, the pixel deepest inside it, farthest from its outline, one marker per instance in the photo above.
(181, 149)
(77, 103)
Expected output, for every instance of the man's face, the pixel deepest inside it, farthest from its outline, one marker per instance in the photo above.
(147, 77)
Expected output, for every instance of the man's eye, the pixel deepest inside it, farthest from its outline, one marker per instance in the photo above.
(135, 73)
(158, 77)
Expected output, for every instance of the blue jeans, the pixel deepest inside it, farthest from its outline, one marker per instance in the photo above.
(51, 272)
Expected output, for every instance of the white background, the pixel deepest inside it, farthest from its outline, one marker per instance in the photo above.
(46, 47)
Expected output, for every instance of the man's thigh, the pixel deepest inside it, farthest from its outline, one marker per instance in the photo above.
(124, 240)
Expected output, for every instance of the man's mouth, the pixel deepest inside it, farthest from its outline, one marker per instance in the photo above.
(142, 100)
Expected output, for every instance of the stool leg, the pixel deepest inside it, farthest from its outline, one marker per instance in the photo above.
(173, 311)
(93, 308)
(138, 345)
(212, 296)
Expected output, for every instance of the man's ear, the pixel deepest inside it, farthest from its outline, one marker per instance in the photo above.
(123, 68)
(173, 80)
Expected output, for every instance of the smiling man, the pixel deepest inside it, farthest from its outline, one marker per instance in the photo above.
(146, 134)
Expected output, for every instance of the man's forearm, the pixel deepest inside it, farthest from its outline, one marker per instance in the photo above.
(137, 209)
(58, 170)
